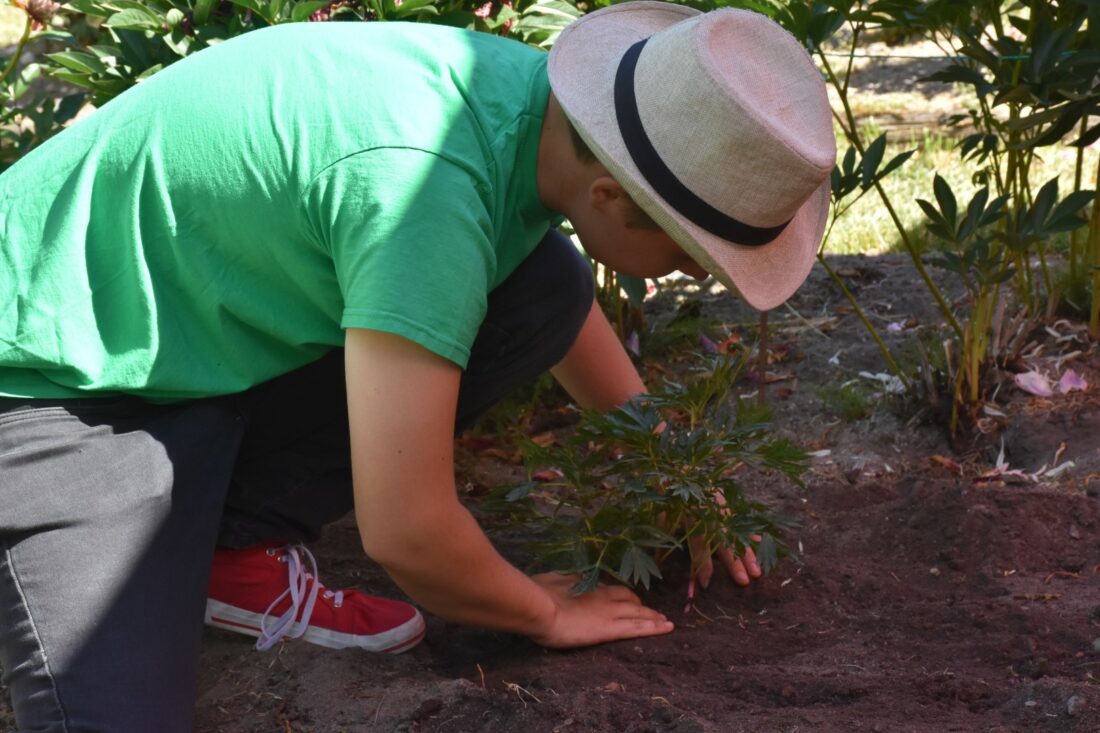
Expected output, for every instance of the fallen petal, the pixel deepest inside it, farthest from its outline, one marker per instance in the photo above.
(1070, 381)
(948, 463)
(632, 344)
(708, 346)
(1033, 383)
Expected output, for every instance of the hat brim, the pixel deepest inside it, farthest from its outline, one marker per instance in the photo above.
(582, 68)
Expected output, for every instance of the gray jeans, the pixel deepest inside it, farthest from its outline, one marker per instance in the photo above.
(110, 509)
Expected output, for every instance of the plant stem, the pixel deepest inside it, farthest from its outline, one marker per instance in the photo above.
(1094, 263)
(14, 61)
(867, 323)
(762, 360)
(1078, 171)
(853, 136)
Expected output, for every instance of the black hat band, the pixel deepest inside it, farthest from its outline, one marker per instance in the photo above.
(662, 179)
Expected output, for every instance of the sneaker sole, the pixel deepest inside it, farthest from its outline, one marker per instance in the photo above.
(395, 641)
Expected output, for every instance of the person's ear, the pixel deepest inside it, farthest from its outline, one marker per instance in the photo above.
(605, 192)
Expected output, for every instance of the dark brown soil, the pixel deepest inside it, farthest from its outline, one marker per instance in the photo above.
(923, 600)
(929, 595)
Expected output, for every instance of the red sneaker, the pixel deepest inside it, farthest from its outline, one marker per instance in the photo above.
(267, 592)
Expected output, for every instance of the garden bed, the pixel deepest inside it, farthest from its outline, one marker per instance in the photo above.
(932, 594)
(934, 591)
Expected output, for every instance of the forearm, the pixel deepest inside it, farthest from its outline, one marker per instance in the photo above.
(401, 409)
(445, 563)
(597, 372)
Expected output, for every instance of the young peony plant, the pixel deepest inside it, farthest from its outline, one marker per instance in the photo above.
(657, 475)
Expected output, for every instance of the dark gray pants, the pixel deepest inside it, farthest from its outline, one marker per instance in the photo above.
(109, 509)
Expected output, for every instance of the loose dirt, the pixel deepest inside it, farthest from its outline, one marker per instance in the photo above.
(932, 592)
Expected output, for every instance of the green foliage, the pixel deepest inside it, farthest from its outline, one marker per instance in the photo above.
(637, 483)
(849, 401)
(1033, 68)
(860, 173)
(1032, 65)
(103, 47)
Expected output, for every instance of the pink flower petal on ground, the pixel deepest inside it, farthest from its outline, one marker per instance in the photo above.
(632, 344)
(546, 474)
(1033, 383)
(1070, 381)
(895, 327)
(708, 346)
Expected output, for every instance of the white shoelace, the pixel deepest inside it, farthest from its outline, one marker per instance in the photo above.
(303, 597)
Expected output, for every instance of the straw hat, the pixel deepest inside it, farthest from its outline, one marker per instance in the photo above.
(717, 124)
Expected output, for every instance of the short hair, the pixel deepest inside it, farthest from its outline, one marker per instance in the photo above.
(636, 217)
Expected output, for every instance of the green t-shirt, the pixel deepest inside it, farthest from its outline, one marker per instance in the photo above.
(224, 221)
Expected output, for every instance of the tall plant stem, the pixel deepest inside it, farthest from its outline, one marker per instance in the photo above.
(1078, 174)
(1094, 263)
(762, 361)
(867, 323)
(852, 132)
(14, 60)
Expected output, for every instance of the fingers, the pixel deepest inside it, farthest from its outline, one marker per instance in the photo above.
(705, 573)
(631, 629)
(702, 568)
(734, 566)
(741, 569)
(751, 566)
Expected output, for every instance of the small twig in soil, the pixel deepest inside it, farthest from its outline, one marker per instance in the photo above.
(696, 609)
(1037, 596)
(1059, 574)
(723, 613)
(481, 672)
(520, 692)
(802, 318)
(378, 710)
(447, 722)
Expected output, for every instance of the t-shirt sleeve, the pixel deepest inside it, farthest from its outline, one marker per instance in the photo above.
(411, 241)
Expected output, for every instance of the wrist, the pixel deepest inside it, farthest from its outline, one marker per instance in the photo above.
(545, 617)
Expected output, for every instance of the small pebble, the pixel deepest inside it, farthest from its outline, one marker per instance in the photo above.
(934, 571)
(1075, 706)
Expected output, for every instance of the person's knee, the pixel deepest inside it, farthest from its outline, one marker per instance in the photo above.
(563, 289)
(532, 321)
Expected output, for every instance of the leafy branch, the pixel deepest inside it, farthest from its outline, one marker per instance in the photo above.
(636, 484)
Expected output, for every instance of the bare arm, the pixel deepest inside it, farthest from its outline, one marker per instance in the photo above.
(401, 406)
(597, 372)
